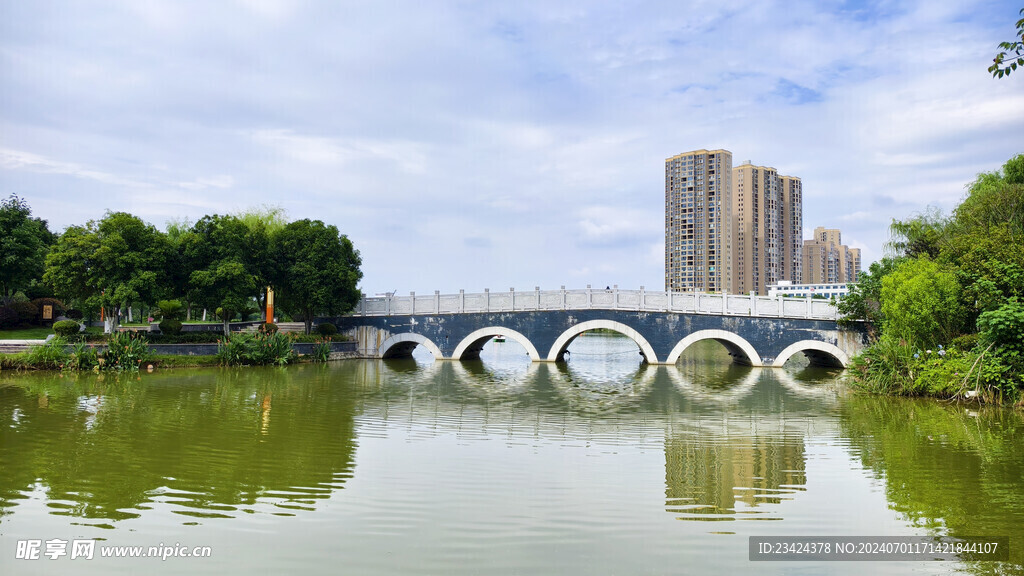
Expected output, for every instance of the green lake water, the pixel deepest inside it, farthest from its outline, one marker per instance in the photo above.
(597, 466)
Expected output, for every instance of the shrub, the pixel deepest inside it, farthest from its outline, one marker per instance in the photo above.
(52, 354)
(273, 348)
(965, 342)
(8, 318)
(83, 357)
(268, 327)
(74, 314)
(1004, 326)
(261, 348)
(66, 328)
(26, 312)
(234, 349)
(321, 350)
(170, 326)
(326, 329)
(125, 351)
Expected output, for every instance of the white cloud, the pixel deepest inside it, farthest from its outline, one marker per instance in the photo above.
(498, 144)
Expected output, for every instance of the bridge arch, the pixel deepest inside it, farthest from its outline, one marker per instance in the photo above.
(402, 345)
(558, 349)
(470, 346)
(819, 353)
(738, 347)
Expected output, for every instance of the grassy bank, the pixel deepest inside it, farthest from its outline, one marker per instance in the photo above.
(126, 351)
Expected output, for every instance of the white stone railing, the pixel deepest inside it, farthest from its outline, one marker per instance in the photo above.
(597, 299)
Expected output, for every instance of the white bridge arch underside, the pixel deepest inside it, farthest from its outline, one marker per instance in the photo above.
(740, 350)
(470, 347)
(818, 353)
(557, 352)
(402, 345)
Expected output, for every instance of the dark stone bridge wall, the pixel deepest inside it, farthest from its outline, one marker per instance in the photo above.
(768, 337)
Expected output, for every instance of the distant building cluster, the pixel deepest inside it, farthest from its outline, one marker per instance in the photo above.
(740, 229)
(828, 260)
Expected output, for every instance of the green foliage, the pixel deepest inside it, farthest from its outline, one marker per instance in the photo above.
(170, 326)
(959, 274)
(920, 303)
(268, 327)
(83, 357)
(115, 261)
(863, 301)
(219, 250)
(885, 368)
(965, 341)
(125, 351)
(24, 241)
(922, 235)
(1004, 327)
(69, 262)
(8, 318)
(321, 350)
(893, 367)
(316, 270)
(37, 290)
(66, 328)
(326, 329)
(51, 354)
(169, 309)
(26, 312)
(260, 348)
(1011, 55)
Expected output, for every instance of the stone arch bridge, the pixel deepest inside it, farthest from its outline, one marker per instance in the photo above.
(756, 330)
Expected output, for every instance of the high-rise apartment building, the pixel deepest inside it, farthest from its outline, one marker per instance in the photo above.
(698, 221)
(828, 260)
(767, 233)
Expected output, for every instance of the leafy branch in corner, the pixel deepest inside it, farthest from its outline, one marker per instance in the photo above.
(1003, 65)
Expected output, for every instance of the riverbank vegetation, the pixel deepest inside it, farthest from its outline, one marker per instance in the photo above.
(221, 264)
(127, 351)
(945, 311)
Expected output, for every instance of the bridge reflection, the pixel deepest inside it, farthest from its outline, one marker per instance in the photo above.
(220, 444)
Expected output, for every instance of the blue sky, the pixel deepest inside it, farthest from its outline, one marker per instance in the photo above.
(496, 145)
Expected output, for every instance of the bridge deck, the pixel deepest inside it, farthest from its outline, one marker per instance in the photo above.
(598, 299)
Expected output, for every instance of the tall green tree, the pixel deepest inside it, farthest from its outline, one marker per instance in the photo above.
(262, 224)
(178, 268)
(117, 261)
(69, 266)
(317, 269)
(224, 272)
(24, 241)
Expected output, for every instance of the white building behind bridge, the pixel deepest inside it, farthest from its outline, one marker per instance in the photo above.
(787, 288)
